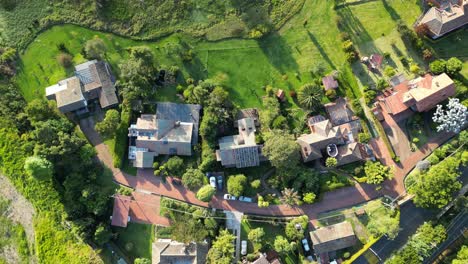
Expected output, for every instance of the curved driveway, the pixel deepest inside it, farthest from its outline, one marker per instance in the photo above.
(341, 198)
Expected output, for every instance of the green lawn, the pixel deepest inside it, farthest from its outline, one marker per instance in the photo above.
(271, 231)
(135, 240)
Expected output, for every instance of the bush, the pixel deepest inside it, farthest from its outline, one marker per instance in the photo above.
(454, 66)
(414, 68)
(255, 184)
(65, 60)
(346, 255)
(364, 137)
(348, 46)
(309, 198)
(382, 84)
(389, 71)
(331, 93)
(180, 89)
(427, 54)
(205, 194)
(433, 159)
(292, 93)
(438, 66)
(235, 184)
(415, 140)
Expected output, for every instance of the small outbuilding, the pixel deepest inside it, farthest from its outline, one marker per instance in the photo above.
(333, 237)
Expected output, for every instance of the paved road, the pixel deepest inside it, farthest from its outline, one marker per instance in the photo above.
(233, 222)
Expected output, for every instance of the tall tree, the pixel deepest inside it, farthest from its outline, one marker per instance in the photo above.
(296, 228)
(282, 151)
(376, 173)
(453, 119)
(282, 245)
(108, 126)
(206, 193)
(310, 96)
(185, 229)
(434, 188)
(222, 250)
(193, 179)
(236, 183)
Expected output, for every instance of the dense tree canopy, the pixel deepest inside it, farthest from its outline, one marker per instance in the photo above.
(256, 235)
(108, 126)
(95, 49)
(282, 151)
(236, 184)
(434, 188)
(282, 245)
(382, 220)
(193, 179)
(296, 228)
(222, 250)
(462, 256)
(187, 229)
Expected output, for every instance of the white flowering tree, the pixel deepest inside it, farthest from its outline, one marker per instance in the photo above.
(453, 119)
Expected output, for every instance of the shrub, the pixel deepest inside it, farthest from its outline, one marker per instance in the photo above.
(433, 159)
(454, 66)
(235, 184)
(348, 46)
(331, 93)
(414, 68)
(279, 122)
(382, 84)
(65, 60)
(346, 255)
(180, 89)
(415, 140)
(331, 162)
(427, 54)
(255, 184)
(344, 36)
(309, 198)
(389, 71)
(292, 93)
(206, 193)
(351, 56)
(438, 66)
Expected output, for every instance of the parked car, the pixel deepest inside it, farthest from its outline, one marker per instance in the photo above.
(176, 181)
(305, 244)
(220, 182)
(227, 196)
(244, 247)
(245, 199)
(213, 182)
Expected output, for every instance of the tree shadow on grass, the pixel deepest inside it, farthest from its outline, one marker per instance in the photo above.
(321, 50)
(353, 26)
(391, 11)
(278, 52)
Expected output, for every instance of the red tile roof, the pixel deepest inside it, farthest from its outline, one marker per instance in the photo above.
(141, 207)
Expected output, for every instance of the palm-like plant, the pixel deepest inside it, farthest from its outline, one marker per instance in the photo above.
(310, 96)
(290, 197)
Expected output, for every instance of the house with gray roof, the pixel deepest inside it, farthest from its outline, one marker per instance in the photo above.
(445, 16)
(173, 130)
(93, 80)
(332, 238)
(240, 151)
(166, 251)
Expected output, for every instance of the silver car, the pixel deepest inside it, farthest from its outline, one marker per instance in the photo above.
(213, 182)
(244, 247)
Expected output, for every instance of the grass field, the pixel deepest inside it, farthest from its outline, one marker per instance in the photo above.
(139, 236)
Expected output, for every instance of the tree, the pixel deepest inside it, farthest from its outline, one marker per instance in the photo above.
(296, 228)
(437, 66)
(102, 234)
(281, 245)
(193, 179)
(282, 151)
(310, 96)
(426, 238)
(309, 198)
(389, 71)
(256, 235)
(270, 111)
(142, 261)
(422, 30)
(174, 166)
(376, 172)
(331, 162)
(186, 229)
(364, 137)
(414, 68)
(454, 66)
(40, 110)
(290, 197)
(108, 126)
(95, 49)
(382, 220)
(236, 183)
(222, 250)
(434, 188)
(206, 193)
(462, 256)
(39, 168)
(453, 119)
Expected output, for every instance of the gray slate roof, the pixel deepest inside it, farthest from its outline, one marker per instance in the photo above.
(188, 113)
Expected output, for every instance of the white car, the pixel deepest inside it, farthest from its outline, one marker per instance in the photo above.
(227, 196)
(305, 243)
(245, 199)
(244, 247)
(213, 182)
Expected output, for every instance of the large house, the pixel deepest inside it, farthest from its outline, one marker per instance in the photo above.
(93, 80)
(173, 130)
(445, 16)
(332, 238)
(419, 95)
(166, 251)
(335, 137)
(240, 150)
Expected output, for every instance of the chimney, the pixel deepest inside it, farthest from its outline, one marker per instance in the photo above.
(176, 123)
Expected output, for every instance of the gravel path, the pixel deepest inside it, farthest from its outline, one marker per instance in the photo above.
(21, 210)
